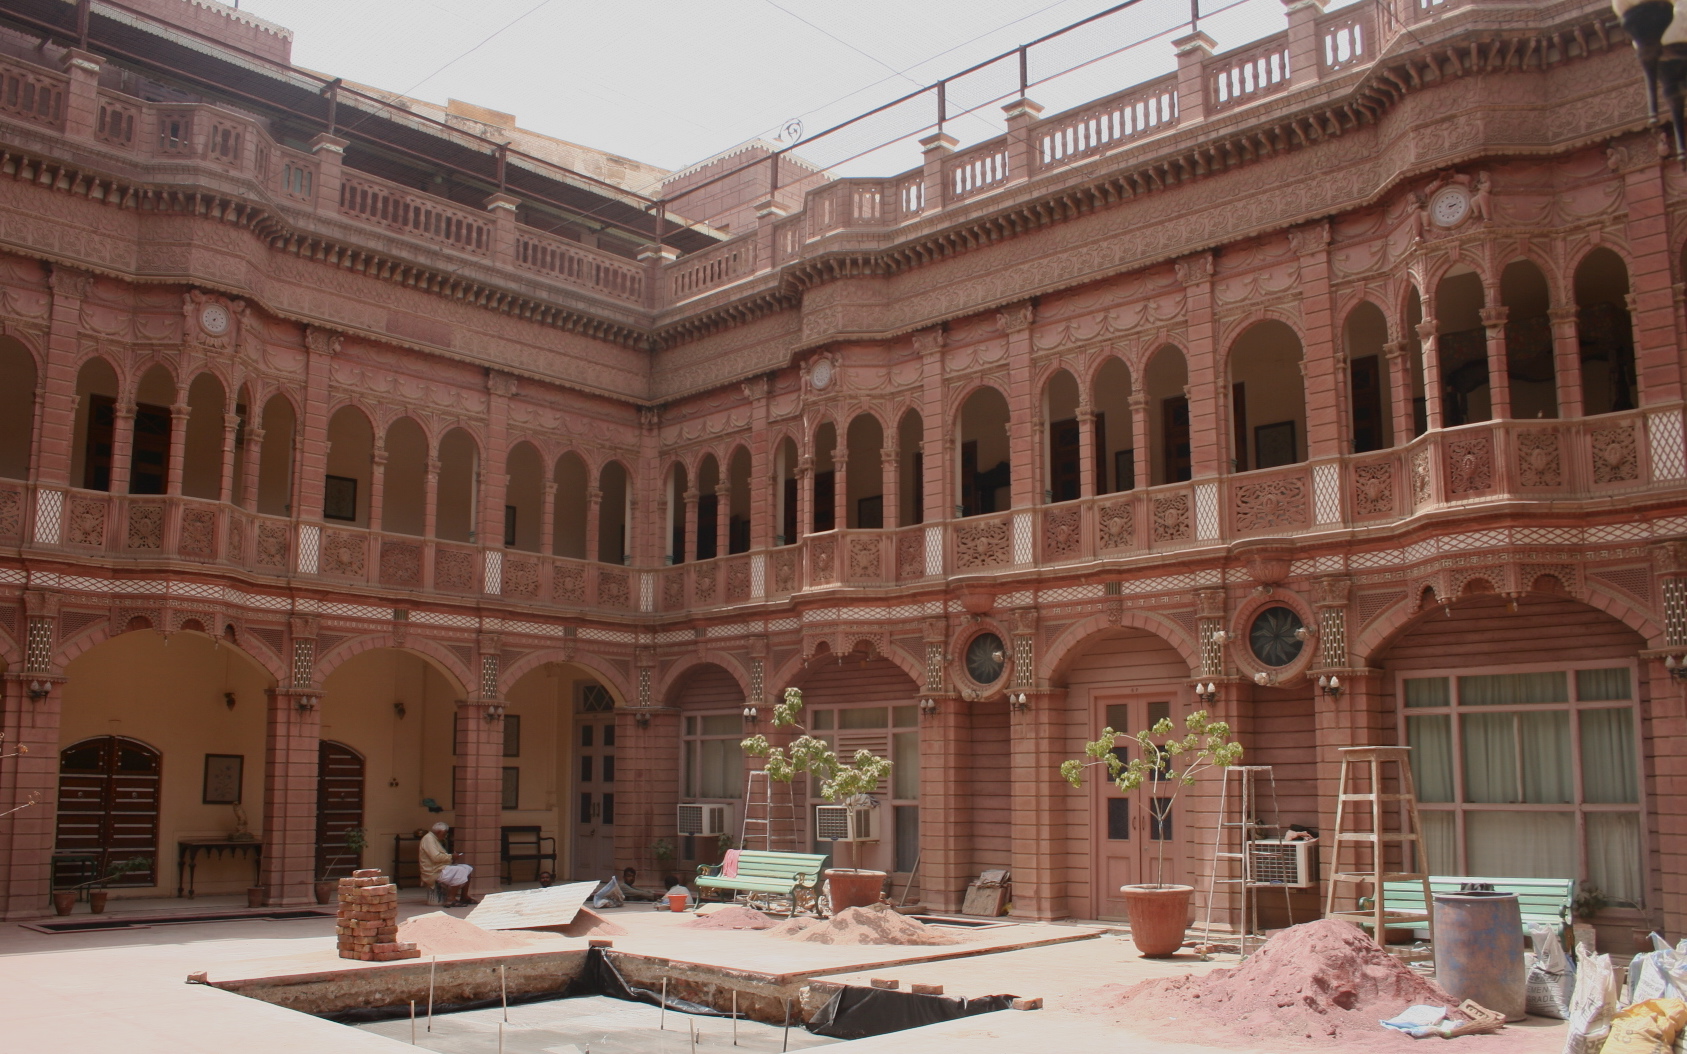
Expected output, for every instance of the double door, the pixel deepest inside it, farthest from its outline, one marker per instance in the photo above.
(594, 796)
(1139, 837)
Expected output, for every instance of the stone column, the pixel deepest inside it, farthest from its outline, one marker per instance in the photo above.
(1023, 155)
(31, 698)
(1431, 344)
(1657, 355)
(691, 513)
(330, 154)
(430, 498)
(1567, 360)
(840, 486)
(1141, 422)
(935, 148)
(477, 803)
(1040, 873)
(81, 97)
(179, 411)
(939, 460)
(253, 468)
(1305, 58)
(594, 520)
(53, 445)
(377, 484)
(1193, 51)
(947, 861)
(122, 443)
(494, 460)
(890, 474)
(311, 466)
(547, 519)
(1323, 345)
(1207, 450)
(723, 516)
(291, 742)
(1399, 390)
(764, 524)
(1499, 370)
(805, 496)
(1088, 456)
(225, 490)
(1015, 321)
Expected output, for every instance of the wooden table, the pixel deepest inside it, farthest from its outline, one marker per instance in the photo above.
(187, 857)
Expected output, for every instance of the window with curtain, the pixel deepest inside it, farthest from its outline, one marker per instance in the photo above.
(714, 763)
(1529, 774)
(890, 732)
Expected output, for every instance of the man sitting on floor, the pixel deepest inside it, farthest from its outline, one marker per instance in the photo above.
(442, 868)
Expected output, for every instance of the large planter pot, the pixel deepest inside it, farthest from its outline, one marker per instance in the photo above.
(852, 888)
(255, 896)
(64, 902)
(1159, 915)
(96, 900)
(324, 891)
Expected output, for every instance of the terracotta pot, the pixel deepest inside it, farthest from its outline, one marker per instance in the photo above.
(852, 888)
(324, 891)
(1159, 915)
(255, 896)
(96, 900)
(676, 901)
(64, 902)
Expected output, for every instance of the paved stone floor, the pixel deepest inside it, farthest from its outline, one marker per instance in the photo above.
(125, 991)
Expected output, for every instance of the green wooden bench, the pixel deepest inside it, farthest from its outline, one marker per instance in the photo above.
(762, 875)
(1540, 900)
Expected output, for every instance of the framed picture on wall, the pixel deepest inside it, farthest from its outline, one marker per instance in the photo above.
(512, 735)
(512, 788)
(223, 777)
(1274, 444)
(339, 498)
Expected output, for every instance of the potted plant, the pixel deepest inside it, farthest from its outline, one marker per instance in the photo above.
(64, 900)
(850, 783)
(1159, 912)
(325, 887)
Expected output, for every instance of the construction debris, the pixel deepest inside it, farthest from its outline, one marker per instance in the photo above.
(873, 924)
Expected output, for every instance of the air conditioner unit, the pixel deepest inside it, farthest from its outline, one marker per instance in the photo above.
(843, 823)
(704, 820)
(1273, 862)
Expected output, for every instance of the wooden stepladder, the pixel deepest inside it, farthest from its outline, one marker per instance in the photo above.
(765, 817)
(1354, 847)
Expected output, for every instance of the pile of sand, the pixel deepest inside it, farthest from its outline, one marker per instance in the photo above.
(1323, 980)
(440, 934)
(874, 924)
(731, 917)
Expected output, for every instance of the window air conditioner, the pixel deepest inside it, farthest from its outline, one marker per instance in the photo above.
(703, 820)
(1273, 862)
(843, 823)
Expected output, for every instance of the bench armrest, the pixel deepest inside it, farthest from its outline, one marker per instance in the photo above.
(1366, 902)
(804, 880)
(709, 870)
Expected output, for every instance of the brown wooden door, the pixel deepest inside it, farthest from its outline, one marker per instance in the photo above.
(1063, 460)
(149, 456)
(1132, 832)
(1174, 431)
(339, 808)
(1366, 379)
(108, 809)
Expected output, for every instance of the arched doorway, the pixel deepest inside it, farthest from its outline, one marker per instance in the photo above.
(339, 808)
(108, 810)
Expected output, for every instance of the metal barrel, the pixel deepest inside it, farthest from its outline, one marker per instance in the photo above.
(1479, 950)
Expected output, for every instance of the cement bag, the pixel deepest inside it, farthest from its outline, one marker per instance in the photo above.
(1648, 1027)
(1552, 980)
(1593, 1003)
(1658, 974)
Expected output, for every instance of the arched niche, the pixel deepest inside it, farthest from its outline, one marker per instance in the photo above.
(984, 483)
(1267, 398)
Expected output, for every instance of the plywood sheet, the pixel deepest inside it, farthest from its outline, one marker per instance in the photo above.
(528, 908)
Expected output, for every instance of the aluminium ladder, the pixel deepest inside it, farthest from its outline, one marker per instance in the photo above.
(1370, 762)
(773, 813)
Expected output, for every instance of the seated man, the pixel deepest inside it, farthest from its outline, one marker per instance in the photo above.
(442, 868)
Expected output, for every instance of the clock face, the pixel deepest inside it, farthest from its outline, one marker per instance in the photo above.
(213, 319)
(821, 375)
(1450, 207)
(985, 659)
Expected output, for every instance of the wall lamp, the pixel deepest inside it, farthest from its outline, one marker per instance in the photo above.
(928, 707)
(642, 719)
(1218, 636)
(39, 690)
(752, 715)
(495, 712)
(305, 704)
(1262, 678)
(1330, 686)
(398, 709)
(228, 700)
(1019, 704)
(1676, 665)
(1303, 634)
(1206, 693)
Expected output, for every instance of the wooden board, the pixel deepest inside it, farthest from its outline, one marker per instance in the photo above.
(989, 901)
(531, 908)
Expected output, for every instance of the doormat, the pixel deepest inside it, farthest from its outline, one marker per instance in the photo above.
(93, 924)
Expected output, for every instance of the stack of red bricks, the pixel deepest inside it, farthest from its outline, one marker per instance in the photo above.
(368, 919)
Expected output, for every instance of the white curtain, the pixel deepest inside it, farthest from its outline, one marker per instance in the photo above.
(1548, 776)
(1609, 772)
(1440, 841)
(1427, 691)
(905, 765)
(1490, 757)
(1510, 689)
(1521, 844)
(1613, 855)
(1431, 739)
(722, 769)
(1599, 686)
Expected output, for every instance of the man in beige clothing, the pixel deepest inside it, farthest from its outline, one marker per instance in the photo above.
(442, 868)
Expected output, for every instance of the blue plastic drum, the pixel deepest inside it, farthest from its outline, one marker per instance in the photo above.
(1479, 950)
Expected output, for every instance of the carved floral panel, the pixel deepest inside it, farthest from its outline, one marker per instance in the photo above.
(1271, 505)
(612, 589)
(1373, 489)
(1171, 518)
(1615, 459)
(1420, 478)
(910, 555)
(11, 514)
(199, 533)
(272, 545)
(822, 553)
(984, 544)
(401, 563)
(703, 582)
(738, 581)
(85, 525)
(146, 527)
(864, 559)
(784, 571)
(568, 582)
(1062, 533)
(673, 591)
(1118, 525)
(453, 569)
(1539, 462)
(343, 553)
(521, 578)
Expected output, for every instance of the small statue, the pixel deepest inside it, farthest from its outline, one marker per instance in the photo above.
(242, 829)
(1481, 202)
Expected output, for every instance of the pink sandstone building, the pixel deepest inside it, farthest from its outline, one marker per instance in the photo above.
(363, 472)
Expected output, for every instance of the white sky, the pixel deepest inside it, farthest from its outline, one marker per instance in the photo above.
(671, 83)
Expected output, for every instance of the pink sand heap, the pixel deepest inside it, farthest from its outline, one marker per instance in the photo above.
(731, 917)
(1323, 980)
(873, 924)
(441, 934)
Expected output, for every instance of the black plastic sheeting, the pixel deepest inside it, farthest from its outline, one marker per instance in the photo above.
(598, 976)
(856, 1013)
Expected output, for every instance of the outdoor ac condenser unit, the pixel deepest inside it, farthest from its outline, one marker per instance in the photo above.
(843, 823)
(1272, 862)
(704, 820)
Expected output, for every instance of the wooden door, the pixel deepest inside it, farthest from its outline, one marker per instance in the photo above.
(149, 457)
(1132, 831)
(1366, 380)
(1174, 431)
(594, 786)
(339, 808)
(108, 809)
(1063, 460)
(96, 457)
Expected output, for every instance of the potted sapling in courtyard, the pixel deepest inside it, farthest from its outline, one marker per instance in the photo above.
(847, 785)
(325, 887)
(64, 900)
(1159, 912)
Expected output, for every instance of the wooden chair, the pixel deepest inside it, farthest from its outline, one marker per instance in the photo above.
(525, 844)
